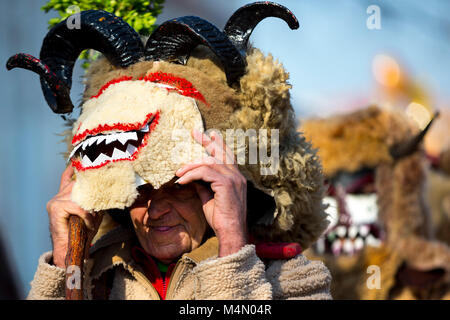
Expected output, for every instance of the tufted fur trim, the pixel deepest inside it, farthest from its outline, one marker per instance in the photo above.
(313, 284)
(48, 282)
(297, 187)
(235, 269)
(363, 136)
(116, 180)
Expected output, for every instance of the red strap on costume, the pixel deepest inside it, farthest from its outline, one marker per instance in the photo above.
(152, 272)
(282, 250)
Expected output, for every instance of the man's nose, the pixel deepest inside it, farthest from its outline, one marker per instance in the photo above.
(158, 208)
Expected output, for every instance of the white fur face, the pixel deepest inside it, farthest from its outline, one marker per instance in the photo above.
(133, 132)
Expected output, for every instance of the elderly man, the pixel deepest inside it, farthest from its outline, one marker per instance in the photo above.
(184, 241)
(193, 225)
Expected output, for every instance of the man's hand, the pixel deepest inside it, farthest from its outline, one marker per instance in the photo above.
(59, 208)
(225, 208)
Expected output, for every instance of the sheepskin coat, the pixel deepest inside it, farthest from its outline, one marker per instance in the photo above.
(198, 275)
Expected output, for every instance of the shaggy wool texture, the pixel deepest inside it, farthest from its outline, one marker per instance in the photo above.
(364, 136)
(362, 140)
(350, 276)
(438, 196)
(262, 101)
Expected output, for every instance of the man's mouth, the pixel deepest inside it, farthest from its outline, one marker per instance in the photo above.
(163, 229)
(95, 151)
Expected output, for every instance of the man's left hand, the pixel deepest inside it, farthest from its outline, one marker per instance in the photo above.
(225, 204)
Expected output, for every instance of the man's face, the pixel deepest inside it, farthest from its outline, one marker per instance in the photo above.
(169, 221)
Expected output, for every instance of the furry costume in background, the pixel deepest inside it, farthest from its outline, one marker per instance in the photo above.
(412, 264)
(438, 195)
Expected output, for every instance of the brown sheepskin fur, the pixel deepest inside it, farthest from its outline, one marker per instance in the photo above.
(438, 195)
(262, 101)
(350, 273)
(362, 140)
(364, 136)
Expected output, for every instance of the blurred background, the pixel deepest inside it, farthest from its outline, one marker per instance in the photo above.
(340, 59)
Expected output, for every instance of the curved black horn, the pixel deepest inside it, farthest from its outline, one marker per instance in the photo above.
(92, 29)
(407, 148)
(176, 38)
(241, 24)
(57, 86)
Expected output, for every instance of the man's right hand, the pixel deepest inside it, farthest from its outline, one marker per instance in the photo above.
(59, 208)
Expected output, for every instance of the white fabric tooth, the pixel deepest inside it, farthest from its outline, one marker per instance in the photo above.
(110, 138)
(132, 135)
(91, 141)
(336, 246)
(372, 241)
(363, 230)
(348, 246)
(123, 138)
(145, 129)
(352, 231)
(131, 149)
(359, 243)
(84, 144)
(118, 154)
(100, 159)
(86, 162)
(341, 231)
(139, 180)
(376, 242)
(369, 240)
(100, 139)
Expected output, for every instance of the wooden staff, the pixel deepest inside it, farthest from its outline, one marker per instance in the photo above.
(75, 258)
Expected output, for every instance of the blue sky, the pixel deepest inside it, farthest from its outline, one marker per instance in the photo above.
(330, 56)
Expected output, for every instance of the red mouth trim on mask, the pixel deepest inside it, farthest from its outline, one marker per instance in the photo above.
(117, 127)
(76, 163)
